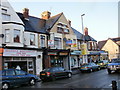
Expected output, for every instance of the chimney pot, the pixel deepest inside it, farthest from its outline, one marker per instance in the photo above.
(86, 31)
(26, 13)
(46, 15)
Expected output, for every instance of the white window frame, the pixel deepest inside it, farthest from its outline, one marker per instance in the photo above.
(57, 42)
(42, 40)
(15, 34)
(33, 40)
(7, 35)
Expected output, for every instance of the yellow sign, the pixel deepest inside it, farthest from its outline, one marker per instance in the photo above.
(84, 50)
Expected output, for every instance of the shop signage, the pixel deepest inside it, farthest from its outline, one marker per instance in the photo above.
(52, 53)
(50, 43)
(84, 50)
(15, 52)
(63, 53)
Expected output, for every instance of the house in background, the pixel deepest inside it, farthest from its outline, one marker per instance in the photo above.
(112, 46)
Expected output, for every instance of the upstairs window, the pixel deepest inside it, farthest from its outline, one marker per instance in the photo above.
(4, 11)
(7, 35)
(16, 36)
(66, 30)
(42, 41)
(5, 17)
(32, 39)
(59, 29)
(57, 42)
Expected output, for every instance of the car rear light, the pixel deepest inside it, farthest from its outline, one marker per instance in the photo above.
(86, 67)
(48, 73)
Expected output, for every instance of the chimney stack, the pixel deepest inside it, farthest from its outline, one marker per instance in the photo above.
(46, 15)
(26, 13)
(86, 31)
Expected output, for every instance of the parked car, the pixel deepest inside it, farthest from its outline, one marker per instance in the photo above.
(114, 66)
(15, 77)
(89, 67)
(103, 63)
(54, 73)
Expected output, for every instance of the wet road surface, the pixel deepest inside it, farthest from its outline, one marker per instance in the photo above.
(97, 79)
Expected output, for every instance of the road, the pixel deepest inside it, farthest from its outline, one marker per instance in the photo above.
(97, 79)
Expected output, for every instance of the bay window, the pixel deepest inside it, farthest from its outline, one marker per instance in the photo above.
(32, 39)
(16, 36)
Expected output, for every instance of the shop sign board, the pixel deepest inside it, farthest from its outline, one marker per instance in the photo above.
(84, 50)
(15, 52)
(50, 42)
(63, 53)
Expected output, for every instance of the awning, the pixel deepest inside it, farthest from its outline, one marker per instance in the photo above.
(76, 53)
(94, 53)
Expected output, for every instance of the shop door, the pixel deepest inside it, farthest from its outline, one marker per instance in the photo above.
(30, 66)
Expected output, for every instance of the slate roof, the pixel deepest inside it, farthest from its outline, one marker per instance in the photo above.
(52, 20)
(80, 36)
(34, 24)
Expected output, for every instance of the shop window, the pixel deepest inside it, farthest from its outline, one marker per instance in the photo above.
(7, 35)
(18, 72)
(17, 36)
(42, 44)
(32, 39)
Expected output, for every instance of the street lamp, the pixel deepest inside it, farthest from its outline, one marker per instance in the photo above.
(82, 26)
(83, 46)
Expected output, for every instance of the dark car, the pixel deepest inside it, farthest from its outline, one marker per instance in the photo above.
(103, 63)
(15, 77)
(54, 73)
(114, 65)
(89, 67)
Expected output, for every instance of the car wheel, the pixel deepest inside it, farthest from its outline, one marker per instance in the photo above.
(5, 86)
(32, 81)
(109, 71)
(69, 75)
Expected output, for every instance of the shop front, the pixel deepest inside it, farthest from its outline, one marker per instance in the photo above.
(75, 59)
(20, 59)
(93, 56)
(57, 58)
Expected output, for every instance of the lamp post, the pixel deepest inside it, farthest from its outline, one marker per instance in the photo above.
(83, 46)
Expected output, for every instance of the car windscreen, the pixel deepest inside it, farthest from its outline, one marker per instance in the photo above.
(100, 61)
(115, 61)
(85, 65)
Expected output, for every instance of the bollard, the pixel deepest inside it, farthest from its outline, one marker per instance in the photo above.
(114, 85)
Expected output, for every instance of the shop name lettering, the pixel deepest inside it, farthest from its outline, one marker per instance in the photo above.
(20, 52)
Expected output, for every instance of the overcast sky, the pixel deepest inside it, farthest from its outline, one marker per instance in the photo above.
(101, 16)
